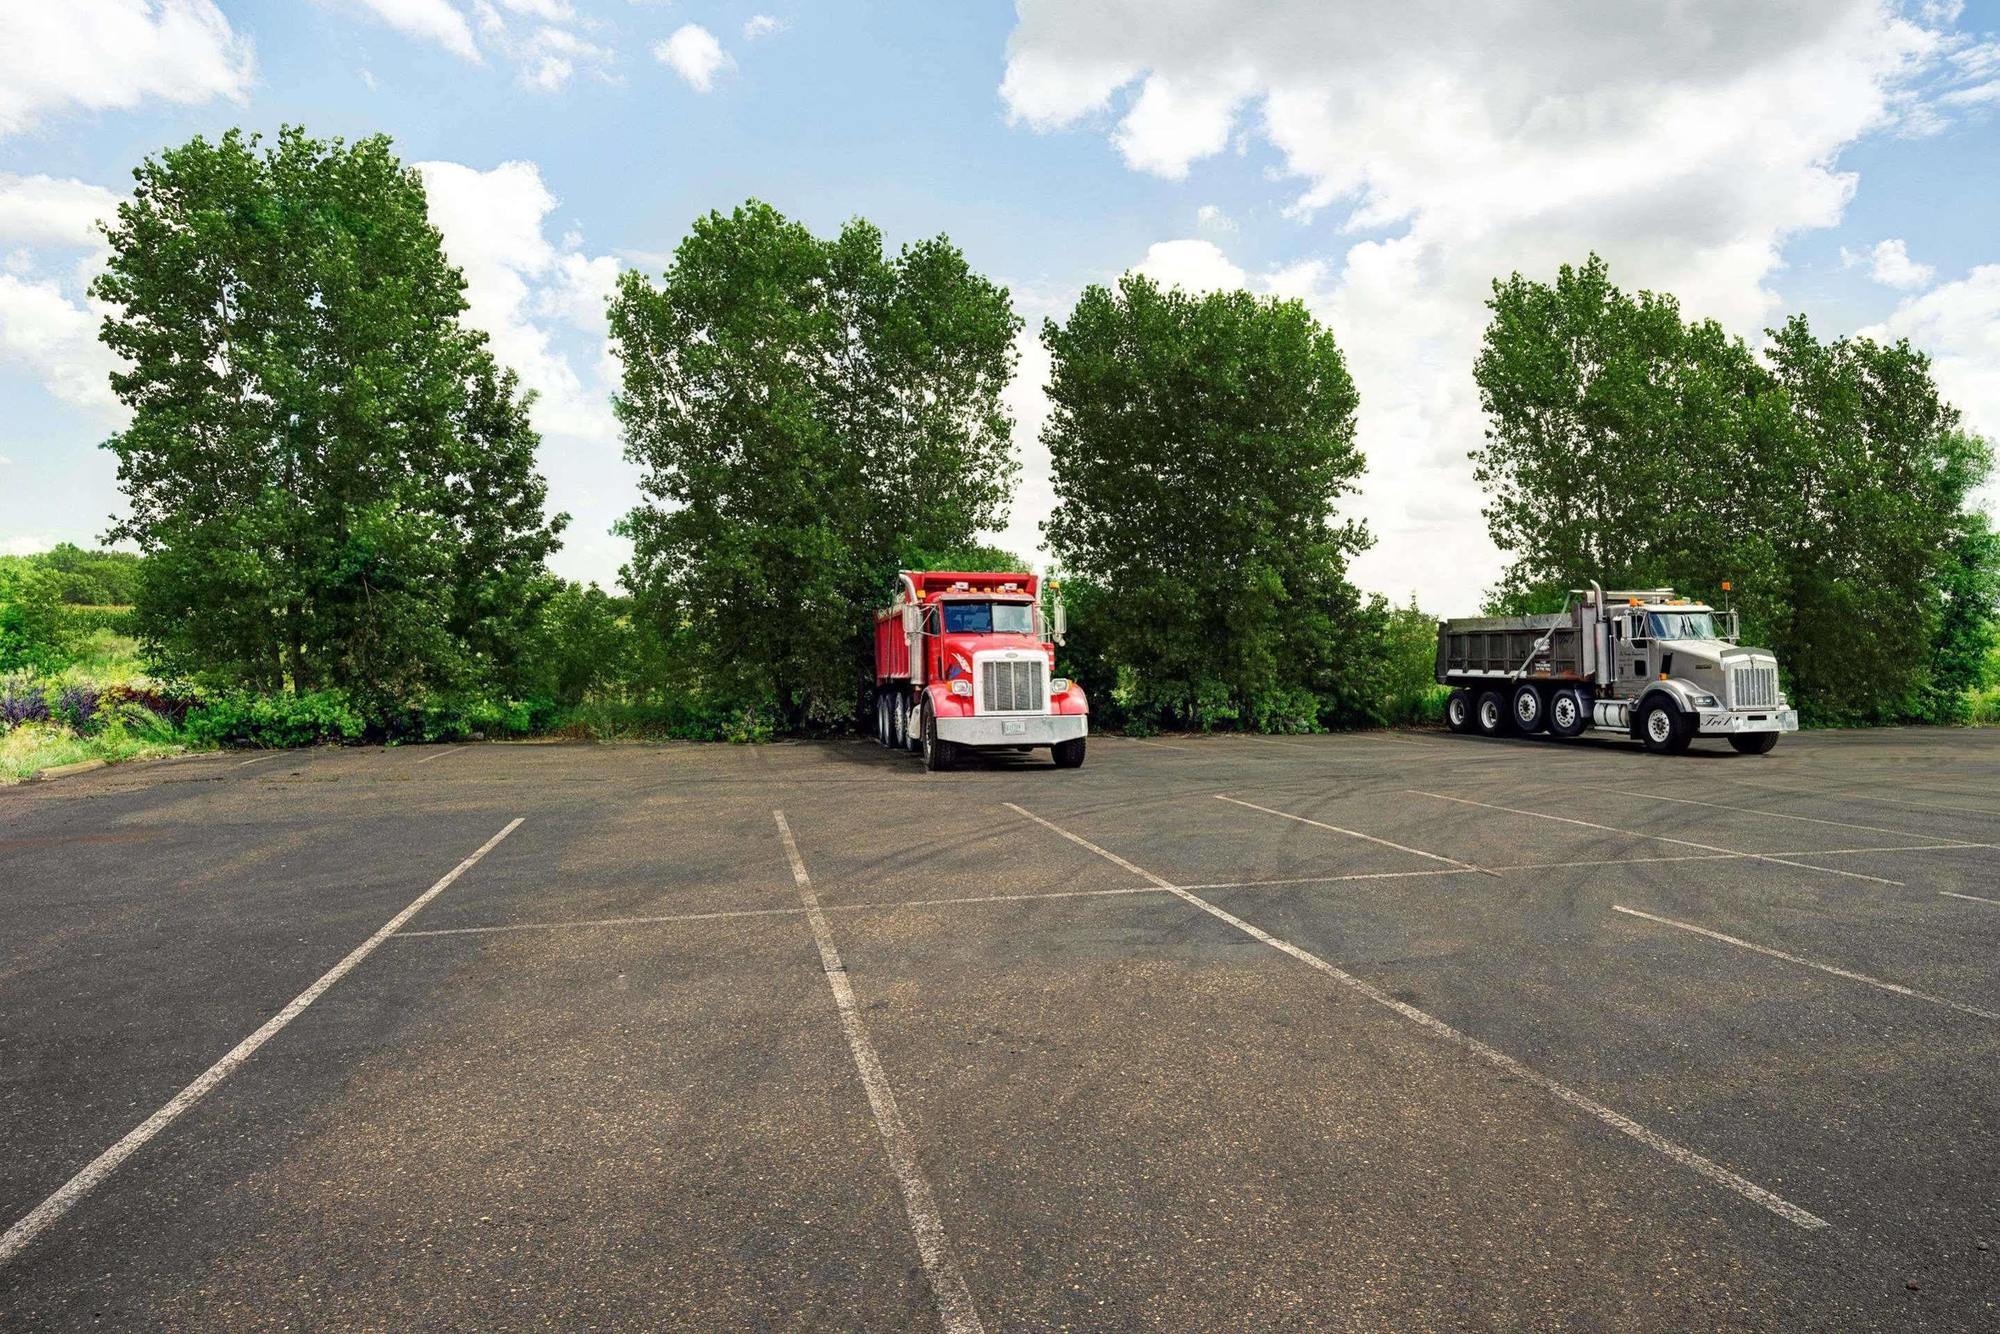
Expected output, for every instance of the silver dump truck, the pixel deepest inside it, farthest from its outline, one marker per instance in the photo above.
(1643, 663)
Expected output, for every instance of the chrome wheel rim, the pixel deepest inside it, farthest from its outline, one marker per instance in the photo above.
(1489, 715)
(1565, 712)
(1659, 726)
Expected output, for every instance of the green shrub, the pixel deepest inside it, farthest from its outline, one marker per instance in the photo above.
(85, 620)
(34, 633)
(276, 721)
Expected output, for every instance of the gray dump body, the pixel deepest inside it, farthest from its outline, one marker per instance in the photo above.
(1502, 647)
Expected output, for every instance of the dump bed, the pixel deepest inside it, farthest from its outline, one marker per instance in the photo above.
(1489, 648)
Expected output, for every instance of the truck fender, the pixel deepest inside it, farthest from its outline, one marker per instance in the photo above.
(1674, 689)
(944, 704)
(1072, 700)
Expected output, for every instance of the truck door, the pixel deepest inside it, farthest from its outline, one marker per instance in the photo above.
(1633, 643)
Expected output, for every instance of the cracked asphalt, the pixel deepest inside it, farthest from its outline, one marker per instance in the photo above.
(1387, 1031)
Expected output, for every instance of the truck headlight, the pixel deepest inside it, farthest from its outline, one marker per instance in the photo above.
(1058, 685)
(1707, 702)
(960, 687)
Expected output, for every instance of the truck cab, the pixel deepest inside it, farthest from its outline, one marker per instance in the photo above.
(966, 662)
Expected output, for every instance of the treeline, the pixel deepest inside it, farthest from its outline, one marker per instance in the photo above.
(333, 483)
(1828, 482)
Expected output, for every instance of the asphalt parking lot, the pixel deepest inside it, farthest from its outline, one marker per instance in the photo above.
(1377, 1031)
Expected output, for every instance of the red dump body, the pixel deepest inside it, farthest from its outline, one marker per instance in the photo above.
(923, 587)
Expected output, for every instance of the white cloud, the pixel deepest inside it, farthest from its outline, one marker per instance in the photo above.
(437, 21)
(25, 544)
(1958, 324)
(1212, 218)
(549, 56)
(694, 54)
(761, 25)
(45, 210)
(541, 302)
(47, 327)
(1443, 149)
(1193, 265)
(114, 54)
(54, 339)
(1890, 264)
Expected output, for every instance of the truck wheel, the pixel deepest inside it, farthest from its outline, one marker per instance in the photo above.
(1069, 754)
(1490, 716)
(1662, 729)
(1530, 710)
(937, 754)
(895, 741)
(909, 726)
(881, 720)
(1458, 711)
(1569, 713)
(1754, 743)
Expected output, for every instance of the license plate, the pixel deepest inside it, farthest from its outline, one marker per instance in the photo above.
(1013, 728)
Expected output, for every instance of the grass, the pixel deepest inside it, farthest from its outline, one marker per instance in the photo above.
(33, 747)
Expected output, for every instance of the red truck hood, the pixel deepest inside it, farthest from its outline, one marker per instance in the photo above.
(957, 650)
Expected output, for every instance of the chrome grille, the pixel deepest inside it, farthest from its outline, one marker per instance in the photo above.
(1011, 686)
(1753, 687)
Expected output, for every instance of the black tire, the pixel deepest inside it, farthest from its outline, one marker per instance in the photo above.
(895, 741)
(1754, 743)
(1662, 727)
(1458, 711)
(882, 720)
(1569, 713)
(1490, 716)
(1528, 709)
(1068, 754)
(938, 755)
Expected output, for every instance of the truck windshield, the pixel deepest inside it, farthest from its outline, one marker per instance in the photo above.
(1682, 624)
(989, 618)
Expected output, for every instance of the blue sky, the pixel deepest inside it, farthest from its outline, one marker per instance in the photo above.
(1381, 161)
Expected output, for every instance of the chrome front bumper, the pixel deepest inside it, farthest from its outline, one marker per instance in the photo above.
(1001, 730)
(1722, 722)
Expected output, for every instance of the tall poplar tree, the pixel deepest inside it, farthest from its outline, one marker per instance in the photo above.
(811, 414)
(333, 481)
(1201, 445)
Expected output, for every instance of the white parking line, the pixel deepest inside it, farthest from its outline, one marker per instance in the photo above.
(954, 1301)
(55, 1206)
(1351, 833)
(1658, 838)
(1687, 1158)
(1972, 897)
(1769, 815)
(1880, 801)
(669, 918)
(256, 759)
(1850, 975)
(438, 755)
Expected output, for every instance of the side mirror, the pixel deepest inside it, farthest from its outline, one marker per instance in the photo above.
(1060, 621)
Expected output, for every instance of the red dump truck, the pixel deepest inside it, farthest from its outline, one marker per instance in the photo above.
(964, 662)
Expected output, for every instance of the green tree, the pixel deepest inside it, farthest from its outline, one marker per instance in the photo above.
(93, 578)
(1620, 443)
(34, 634)
(332, 481)
(811, 415)
(1200, 445)
(1826, 481)
(582, 646)
(1965, 651)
